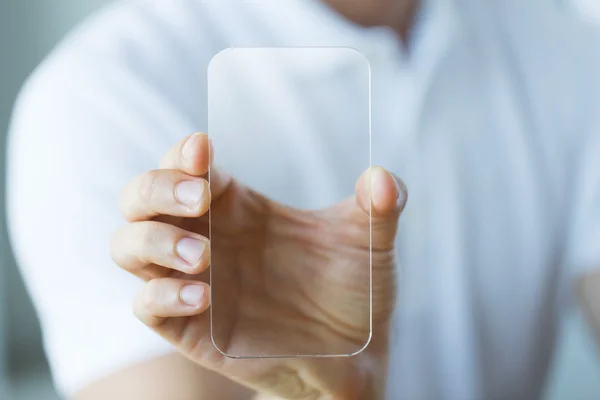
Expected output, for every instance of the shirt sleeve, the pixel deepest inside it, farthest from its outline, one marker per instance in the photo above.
(92, 117)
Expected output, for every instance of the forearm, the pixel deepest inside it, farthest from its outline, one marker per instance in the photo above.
(169, 377)
(373, 391)
(371, 385)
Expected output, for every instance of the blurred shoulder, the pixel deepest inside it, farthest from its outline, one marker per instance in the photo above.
(158, 39)
(131, 67)
(143, 24)
(158, 48)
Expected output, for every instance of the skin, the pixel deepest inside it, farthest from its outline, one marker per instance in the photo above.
(272, 258)
(395, 14)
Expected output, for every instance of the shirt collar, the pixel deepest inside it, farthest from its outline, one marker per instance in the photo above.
(431, 34)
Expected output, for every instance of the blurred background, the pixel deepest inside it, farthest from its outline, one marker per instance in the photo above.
(28, 31)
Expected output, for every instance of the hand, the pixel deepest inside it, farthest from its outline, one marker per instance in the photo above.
(271, 258)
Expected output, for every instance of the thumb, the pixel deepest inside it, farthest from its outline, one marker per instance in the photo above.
(380, 198)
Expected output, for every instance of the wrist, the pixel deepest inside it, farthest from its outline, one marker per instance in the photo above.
(361, 377)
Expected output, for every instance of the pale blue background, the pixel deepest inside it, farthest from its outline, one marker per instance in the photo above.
(28, 29)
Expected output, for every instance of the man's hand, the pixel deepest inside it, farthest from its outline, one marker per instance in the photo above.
(322, 255)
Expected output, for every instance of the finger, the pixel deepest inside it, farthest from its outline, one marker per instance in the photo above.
(375, 208)
(164, 298)
(164, 192)
(139, 245)
(380, 194)
(192, 155)
(380, 197)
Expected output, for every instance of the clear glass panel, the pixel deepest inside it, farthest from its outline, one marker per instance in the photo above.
(292, 127)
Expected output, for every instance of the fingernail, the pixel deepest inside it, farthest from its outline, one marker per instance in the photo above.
(190, 146)
(191, 250)
(378, 180)
(192, 294)
(189, 193)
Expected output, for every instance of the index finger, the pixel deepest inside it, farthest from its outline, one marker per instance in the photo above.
(191, 155)
(194, 155)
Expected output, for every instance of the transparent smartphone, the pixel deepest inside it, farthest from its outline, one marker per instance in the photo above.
(292, 126)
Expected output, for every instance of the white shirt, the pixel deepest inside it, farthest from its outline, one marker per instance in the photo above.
(587, 9)
(492, 123)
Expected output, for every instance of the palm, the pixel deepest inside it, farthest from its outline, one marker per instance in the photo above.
(284, 283)
(287, 282)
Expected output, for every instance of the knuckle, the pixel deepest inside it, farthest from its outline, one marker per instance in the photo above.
(149, 233)
(149, 185)
(171, 250)
(151, 295)
(147, 238)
